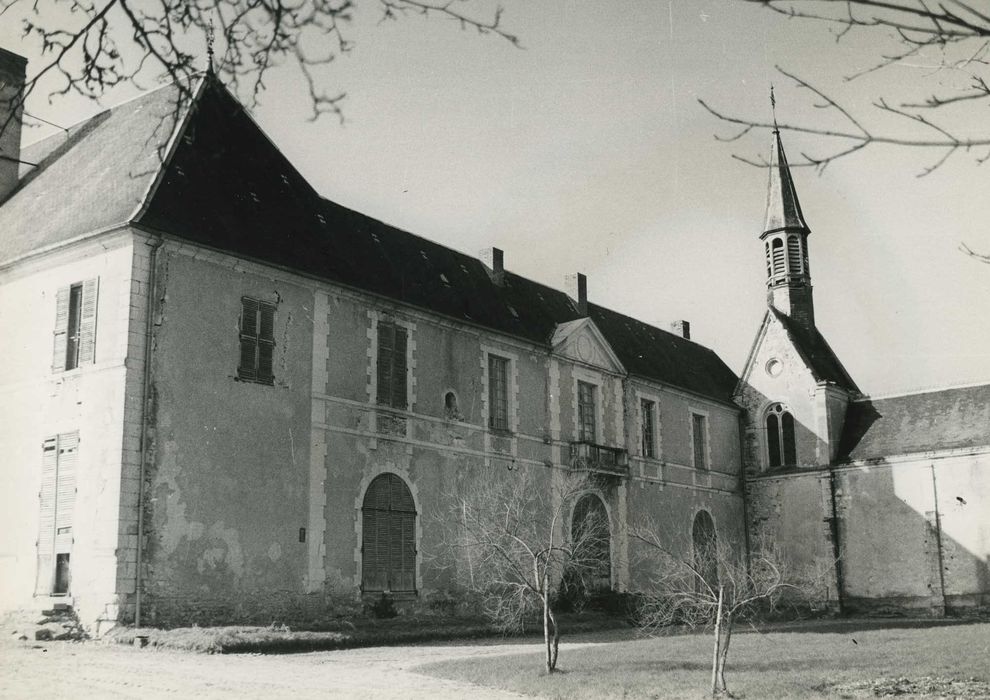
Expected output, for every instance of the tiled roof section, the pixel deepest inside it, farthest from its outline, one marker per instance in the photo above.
(783, 207)
(936, 420)
(91, 178)
(815, 350)
(228, 187)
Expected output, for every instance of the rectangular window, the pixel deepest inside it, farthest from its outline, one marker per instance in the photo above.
(75, 326)
(699, 424)
(57, 503)
(392, 342)
(586, 412)
(257, 341)
(498, 393)
(647, 412)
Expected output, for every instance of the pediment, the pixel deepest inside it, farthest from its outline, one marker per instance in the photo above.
(582, 342)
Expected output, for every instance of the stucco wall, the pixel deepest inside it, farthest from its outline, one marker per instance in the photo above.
(39, 403)
(229, 468)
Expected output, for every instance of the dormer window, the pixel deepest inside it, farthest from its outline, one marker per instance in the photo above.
(781, 449)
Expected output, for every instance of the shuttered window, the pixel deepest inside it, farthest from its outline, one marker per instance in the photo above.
(57, 503)
(75, 326)
(392, 343)
(498, 393)
(647, 412)
(699, 430)
(777, 253)
(388, 542)
(257, 338)
(587, 428)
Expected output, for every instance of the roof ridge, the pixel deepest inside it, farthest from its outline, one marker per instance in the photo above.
(919, 392)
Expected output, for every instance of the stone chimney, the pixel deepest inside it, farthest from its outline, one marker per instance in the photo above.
(681, 328)
(12, 73)
(576, 286)
(494, 260)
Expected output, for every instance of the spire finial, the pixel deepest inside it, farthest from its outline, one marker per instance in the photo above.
(210, 37)
(773, 109)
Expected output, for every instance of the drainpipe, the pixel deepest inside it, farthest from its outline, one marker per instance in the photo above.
(833, 524)
(938, 540)
(145, 392)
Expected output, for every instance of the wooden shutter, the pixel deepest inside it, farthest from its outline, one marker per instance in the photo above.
(386, 341)
(65, 490)
(61, 329)
(700, 455)
(266, 341)
(46, 504)
(248, 365)
(87, 323)
(399, 395)
(388, 543)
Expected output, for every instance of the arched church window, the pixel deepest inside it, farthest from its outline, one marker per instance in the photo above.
(777, 255)
(794, 255)
(388, 536)
(705, 546)
(781, 448)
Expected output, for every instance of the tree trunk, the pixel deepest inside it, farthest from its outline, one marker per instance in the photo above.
(724, 654)
(556, 638)
(551, 662)
(716, 652)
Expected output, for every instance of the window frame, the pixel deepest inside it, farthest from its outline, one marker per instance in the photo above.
(786, 452)
(498, 396)
(262, 337)
(647, 428)
(74, 334)
(587, 411)
(396, 395)
(703, 447)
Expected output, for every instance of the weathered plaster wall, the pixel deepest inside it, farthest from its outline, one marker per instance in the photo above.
(229, 472)
(40, 403)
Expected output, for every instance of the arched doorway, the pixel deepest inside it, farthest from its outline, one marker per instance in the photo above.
(388, 537)
(705, 544)
(589, 525)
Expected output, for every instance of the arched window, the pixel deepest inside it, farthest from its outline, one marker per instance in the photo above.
(794, 255)
(388, 542)
(781, 450)
(705, 543)
(777, 254)
(590, 527)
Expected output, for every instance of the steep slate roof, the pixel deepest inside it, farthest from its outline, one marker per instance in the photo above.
(817, 353)
(228, 187)
(92, 178)
(935, 420)
(783, 207)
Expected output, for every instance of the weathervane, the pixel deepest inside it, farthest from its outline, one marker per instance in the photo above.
(773, 110)
(210, 36)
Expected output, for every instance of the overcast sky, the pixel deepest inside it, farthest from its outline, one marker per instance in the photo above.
(587, 151)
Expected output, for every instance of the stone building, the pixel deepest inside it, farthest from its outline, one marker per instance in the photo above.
(228, 396)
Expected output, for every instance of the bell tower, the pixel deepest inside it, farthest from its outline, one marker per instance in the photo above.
(785, 240)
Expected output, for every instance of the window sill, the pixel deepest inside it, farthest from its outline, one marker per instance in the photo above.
(251, 380)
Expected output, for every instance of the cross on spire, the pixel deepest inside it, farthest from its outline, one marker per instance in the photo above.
(773, 110)
(210, 37)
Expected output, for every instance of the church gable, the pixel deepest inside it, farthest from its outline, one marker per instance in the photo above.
(582, 342)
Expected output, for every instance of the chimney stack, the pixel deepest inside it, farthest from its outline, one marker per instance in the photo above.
(576, 287)
(681, 328)
(494, 260)
(13, 69)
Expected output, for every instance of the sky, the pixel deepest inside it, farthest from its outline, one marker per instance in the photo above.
(587, 150)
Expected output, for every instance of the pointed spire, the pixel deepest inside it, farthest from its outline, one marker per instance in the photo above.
(783, 207)
(210, 37)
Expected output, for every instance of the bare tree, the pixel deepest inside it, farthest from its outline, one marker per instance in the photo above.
(89, 46)
(713, 588)
(514, 544)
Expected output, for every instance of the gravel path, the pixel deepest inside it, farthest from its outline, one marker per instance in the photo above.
(66, 670)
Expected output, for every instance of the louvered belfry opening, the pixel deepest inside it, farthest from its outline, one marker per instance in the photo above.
(388, 543)
(794, 257)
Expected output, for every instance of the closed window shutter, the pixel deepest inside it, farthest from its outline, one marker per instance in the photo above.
(386, 339)
(266, 342)
(87, 324)
(399, 395)
(65, 491)
(257, 341)
(61, 329)
(388, 543)
(46, 530)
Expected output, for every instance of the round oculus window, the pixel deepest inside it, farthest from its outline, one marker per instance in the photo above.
(775, 367)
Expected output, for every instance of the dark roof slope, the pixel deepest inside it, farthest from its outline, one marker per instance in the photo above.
(92, 178)
(935, 420)
(228, 187)
(815, 350)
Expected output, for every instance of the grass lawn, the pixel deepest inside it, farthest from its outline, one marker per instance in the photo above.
(802, 664)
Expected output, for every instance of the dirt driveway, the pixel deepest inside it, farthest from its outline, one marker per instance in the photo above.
(66, 670)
